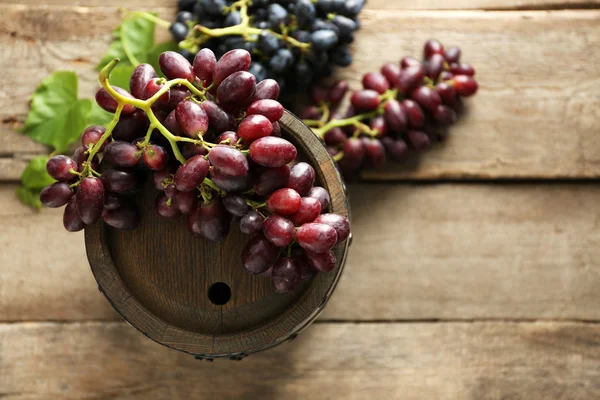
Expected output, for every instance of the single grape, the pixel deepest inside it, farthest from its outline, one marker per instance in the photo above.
(214, 220)
(462, 69)
(232, 61)
(286, 275)
(191, 174)
(219, 120)
(176, 66)
(337, 91)
(432, 47)
(324, 39)
(155, 157)
(279, 230)
(322, 262)
(310, 209)
(118, 181)
(59, 167)
(465, 85)
(277, 14)
(272, 152)
(228, 137)
(446, 76)
(254, 127)
(230, 183)
(419, 140)
(391, 72)
(305, 12)
(142, 74)
(112, 201)
(354, 154)
(90, 200)
(71, 220)
(284, 202)
(374, 151)
(177, 95)
(251, 223)
(165, 207)
(124, 218)
(122, 154)
(322, 195)
(192, 118)
(271, 109)
(269, 180)
(434, 66)
(172, 125)
(394, 116)
(131, 126)
(444, 115)
(56, 195)
(179, 31)
(237, 89)
(171, 191)
(318, 94)
(204, 65)
(190, 150)
(105, 100)
(410, 78)
(229, 160)
(185, 201)
(92, 135)
(160, 177)
(154, 86)
(335, 137)
(452, 54)
(193, 223)
(337, 222)
(375, 81)
(396, 148)
(266, 89)
(409, 61)
(365, 100)
(302, 178)
(259, 255)
(427, 98)
(414, 113)
(236, 205)
(447, 93)
(307, 272)
(379, 125)
(318, 238)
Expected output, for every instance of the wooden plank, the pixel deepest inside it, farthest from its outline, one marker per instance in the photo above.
(371, 4)
(535, 116)
(329, 361)
(446, 251)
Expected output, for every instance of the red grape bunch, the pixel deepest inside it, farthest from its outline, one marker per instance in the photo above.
(404, 106)
(210, 136)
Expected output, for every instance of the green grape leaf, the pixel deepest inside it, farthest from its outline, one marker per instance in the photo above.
(29, 197)
(132, 41)
(121, 75)
(35, 176)
(57, 117)
(98, 116)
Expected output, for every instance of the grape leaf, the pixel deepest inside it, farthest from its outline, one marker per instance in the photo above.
(35, 176)
(57, 117)
(132, 41)
(33, 179)
(29, 197)
(121, 75)
(98, 116)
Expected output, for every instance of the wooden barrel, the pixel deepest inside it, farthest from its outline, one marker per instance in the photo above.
(195, 296)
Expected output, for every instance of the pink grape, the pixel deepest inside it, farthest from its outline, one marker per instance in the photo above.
(279, 230)
(191, 174)
(59, 167)
(284, 202)
(56, 195)
(318, 238)
(90, 200)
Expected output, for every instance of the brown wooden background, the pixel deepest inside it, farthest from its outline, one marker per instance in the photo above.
(474, 272)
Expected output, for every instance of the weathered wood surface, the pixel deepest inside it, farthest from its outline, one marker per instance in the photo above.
(446, 251)
(535, 116)
(371, 4)
(478, 361)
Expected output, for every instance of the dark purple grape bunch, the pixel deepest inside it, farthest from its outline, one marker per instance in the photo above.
(404, 107)
(211, 138)
(293, 41)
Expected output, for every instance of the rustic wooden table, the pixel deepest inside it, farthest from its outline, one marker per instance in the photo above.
(474, 272)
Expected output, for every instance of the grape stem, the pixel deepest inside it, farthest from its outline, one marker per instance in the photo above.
(249, 33)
